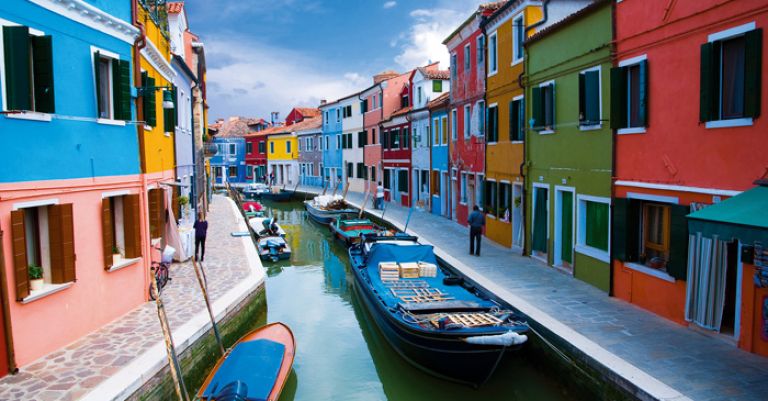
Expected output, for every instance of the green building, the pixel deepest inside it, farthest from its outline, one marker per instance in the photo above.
(569, 144)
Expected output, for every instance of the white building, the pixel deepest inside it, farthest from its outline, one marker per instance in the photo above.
(353, 141)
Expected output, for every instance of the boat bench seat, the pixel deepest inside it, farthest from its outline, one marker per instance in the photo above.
(443, 306)
(255, 363)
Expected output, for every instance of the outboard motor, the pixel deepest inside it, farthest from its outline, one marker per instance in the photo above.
(233, 391)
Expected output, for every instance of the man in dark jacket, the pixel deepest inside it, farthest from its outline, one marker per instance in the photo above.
(476, 222)
(201, 230)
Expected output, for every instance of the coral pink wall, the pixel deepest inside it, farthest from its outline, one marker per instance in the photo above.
(97, 297)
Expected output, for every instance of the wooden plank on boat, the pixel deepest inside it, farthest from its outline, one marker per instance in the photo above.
(407, 284)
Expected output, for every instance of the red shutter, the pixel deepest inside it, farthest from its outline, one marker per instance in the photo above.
(19, 240)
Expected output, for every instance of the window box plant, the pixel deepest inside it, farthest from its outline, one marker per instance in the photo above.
(35, 278)
(117, 257)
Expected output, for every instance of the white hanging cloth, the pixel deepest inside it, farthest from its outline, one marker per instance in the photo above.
(707, 265)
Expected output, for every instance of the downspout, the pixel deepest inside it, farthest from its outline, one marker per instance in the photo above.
(526, 145)
(614, 135)
(7, 327)
(193, 181)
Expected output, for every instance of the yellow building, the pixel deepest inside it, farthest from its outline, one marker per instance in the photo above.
(505, 32)
(283, 157)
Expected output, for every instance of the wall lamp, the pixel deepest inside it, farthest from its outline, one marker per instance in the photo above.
(167, 94)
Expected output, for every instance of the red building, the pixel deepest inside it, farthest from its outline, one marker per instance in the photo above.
(689, 209)
(298, 114)
(467, 48)
(396, 153)
(256, 155)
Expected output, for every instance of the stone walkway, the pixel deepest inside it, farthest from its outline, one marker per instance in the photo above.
(698, 365)
(72, 372)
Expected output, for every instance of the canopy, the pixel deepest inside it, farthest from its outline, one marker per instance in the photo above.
(744, 216)
(255, 363)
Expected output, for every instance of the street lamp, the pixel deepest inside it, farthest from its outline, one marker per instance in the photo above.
(167, 94)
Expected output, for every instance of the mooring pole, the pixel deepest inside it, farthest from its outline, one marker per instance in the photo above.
(173, 360)
(365, 201)
(204, 289)
(408, 219)
(346, 188)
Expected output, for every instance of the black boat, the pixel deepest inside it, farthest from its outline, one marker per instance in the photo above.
(432, 318)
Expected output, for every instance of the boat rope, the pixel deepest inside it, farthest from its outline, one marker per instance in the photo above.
(564, 356)
(495, 365)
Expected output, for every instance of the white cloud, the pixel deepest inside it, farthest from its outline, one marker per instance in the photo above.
(250, 84)
(390, 4)
(424, 41)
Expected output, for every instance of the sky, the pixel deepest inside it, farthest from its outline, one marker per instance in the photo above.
(271, 55)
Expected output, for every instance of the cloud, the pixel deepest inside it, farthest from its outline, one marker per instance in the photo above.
(390, 4)
(251, 84)
(424, 40)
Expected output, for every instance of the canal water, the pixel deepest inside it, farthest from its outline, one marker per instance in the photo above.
(341, 354)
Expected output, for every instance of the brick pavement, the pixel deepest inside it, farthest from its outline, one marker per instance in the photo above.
(698, 365)
(72, 372)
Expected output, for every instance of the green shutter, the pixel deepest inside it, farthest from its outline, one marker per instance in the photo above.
(753, 41)
(17, 67)
(597, 225)
(97, 80)
(116, 98)
(618, 97)
(643, 93)
(551, 106)
(42, 56)
(582, 98)
(537, 109)
(521, 120)
(539, 242)
(677, 266)
(592, 97)
(707, 90)
(625, 229)
(150, 108)
(121, 89)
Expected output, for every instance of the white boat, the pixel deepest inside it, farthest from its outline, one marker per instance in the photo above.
(260, 226)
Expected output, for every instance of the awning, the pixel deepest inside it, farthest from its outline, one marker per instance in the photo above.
(744, 216)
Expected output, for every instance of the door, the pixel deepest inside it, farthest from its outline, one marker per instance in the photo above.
(540, 221)
(471, 200)
(444, 193)
(566, 229)
(454, 194)
(517, 215)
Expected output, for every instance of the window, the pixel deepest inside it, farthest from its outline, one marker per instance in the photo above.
(480, 49)
(416, 138)
(655, 250)
(28, 70)
(518, 29)
(249, 171)
(444, 129)
(170, 116)
(288, 147)
(395, 136)
(589, 97)
(517, 120)
(454, 123)
(404, 100)
(373, 136)
(338, 115)
(437, 86)
(463, 193)
(436, 131)
(505, 202)
(249, 147)
(121, 234)
(425, 181)
(373, 173)
(349, 141)
(363, 106)
(493, 66)
(350, 170)
(629, 85)
(467, 57)
(493, 124)
(730, 75)
(43, 243)
(406, 137)
(327, 142)
(454, 66)
(373, 99)
(217, 171)
(480, 118)
(361, 170)
(362, 139)
(491, 198)
(232, 149)
(402, 181)
(271, 147)
(593, 223)
(262, 147)
(220, 149)
(347, 111)
(104, 86)
(386, 178)
(338, 141)
(418, 94)
(232, 171)
(325, 119)
(543, 107)
(467, 120)
(479, 192)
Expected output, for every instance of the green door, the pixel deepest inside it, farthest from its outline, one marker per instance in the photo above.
(539, 242)
(566, 235)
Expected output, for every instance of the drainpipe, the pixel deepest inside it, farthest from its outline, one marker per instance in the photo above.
(613, 165)
(7, 328)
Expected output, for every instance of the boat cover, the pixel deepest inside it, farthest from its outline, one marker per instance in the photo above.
(255, 363)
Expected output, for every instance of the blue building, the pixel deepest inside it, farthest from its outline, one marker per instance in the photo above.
(184, 140)
(331, 144)
(71, 174)
(228, 166)
(439, 173)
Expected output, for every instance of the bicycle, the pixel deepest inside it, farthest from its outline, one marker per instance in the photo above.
(161, 274)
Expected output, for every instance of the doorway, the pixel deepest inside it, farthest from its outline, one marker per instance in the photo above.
(564, 214)
(540, 222)
(517, 214)
(444, 193)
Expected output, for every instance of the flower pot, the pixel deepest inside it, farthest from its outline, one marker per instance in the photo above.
(116, 259)
(36, 284)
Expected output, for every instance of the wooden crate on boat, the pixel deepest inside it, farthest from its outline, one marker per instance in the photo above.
(409, 270)
(389, 271)
(427, 269)
(469, 319)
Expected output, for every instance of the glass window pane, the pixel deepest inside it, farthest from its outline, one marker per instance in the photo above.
(733, 78)
(104, 86)
(597, 225)
(633, 95)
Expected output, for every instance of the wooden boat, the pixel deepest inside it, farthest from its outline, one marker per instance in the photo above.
(254, 191)
(448, 328)
(260, 226)
(255, 368)
(273, 247)
(277, 195)
(350, 230)
(324, 209)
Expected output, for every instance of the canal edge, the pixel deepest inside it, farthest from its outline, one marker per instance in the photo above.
(627, 378)
(153, 363)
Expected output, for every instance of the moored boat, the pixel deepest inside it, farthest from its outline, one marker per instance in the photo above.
(273, 247)
(277, 195)
(254, 191)
(432, 318)
(350, 230)
(325, 208)
(262, 226)
(255, 368)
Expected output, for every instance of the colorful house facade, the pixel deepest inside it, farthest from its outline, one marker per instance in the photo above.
(256, 156)
(396, 153)
(74, 195)
(506, 31)
(687, 231)
(440, 180)
(569, 155)
(331, 144)
(283, 156)
(228, 165)
(353, 142)
(299, 114)
(308, 137)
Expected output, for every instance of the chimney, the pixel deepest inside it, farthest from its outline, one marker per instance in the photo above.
(323, 101)
(275, 116)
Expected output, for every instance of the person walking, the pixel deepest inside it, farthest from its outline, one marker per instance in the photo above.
(201, 229)
(476, 222)
(379, 196)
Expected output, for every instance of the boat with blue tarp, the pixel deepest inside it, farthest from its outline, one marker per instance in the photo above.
(434, 319)
(255, 368)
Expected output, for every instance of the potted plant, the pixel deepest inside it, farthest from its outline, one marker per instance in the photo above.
(35, 277)
(183, 202)
(116, 256)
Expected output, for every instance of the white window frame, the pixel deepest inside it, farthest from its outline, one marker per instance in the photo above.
(627, 63)
(467, 121)
(581, 228)
(27, 114)
(454, 128)
(554, 107)
(493, 62)
(593, 127)
(557, 257)
(515, 43)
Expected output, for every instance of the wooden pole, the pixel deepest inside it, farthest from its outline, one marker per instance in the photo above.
(6, 312)
(335, 188)
(365, 202)
(346, 188)
(173, 361)
(204, 289)
(325, 187)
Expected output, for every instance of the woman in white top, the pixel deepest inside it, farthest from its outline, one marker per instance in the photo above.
(379, 196)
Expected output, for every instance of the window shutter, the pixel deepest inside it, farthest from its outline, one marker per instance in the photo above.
(106, 231)
(753, 46)
(625, 229)
(175, 202)
(551, 106)
(707, 90)
(521, 120)
(124, 89)
(537, 109)
(513, 121)
(150, 113)
(618, 97)
(17, 67)
(62, 243)
(155, 212)
(592, 97)
(132, 225)
(643, 92)
(43, 72)
(97, 80)
(169, 115)
(677, 266)
(582, 98)
(19, 240)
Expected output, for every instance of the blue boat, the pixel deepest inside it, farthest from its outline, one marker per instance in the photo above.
(273, 247)
(434, 320)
